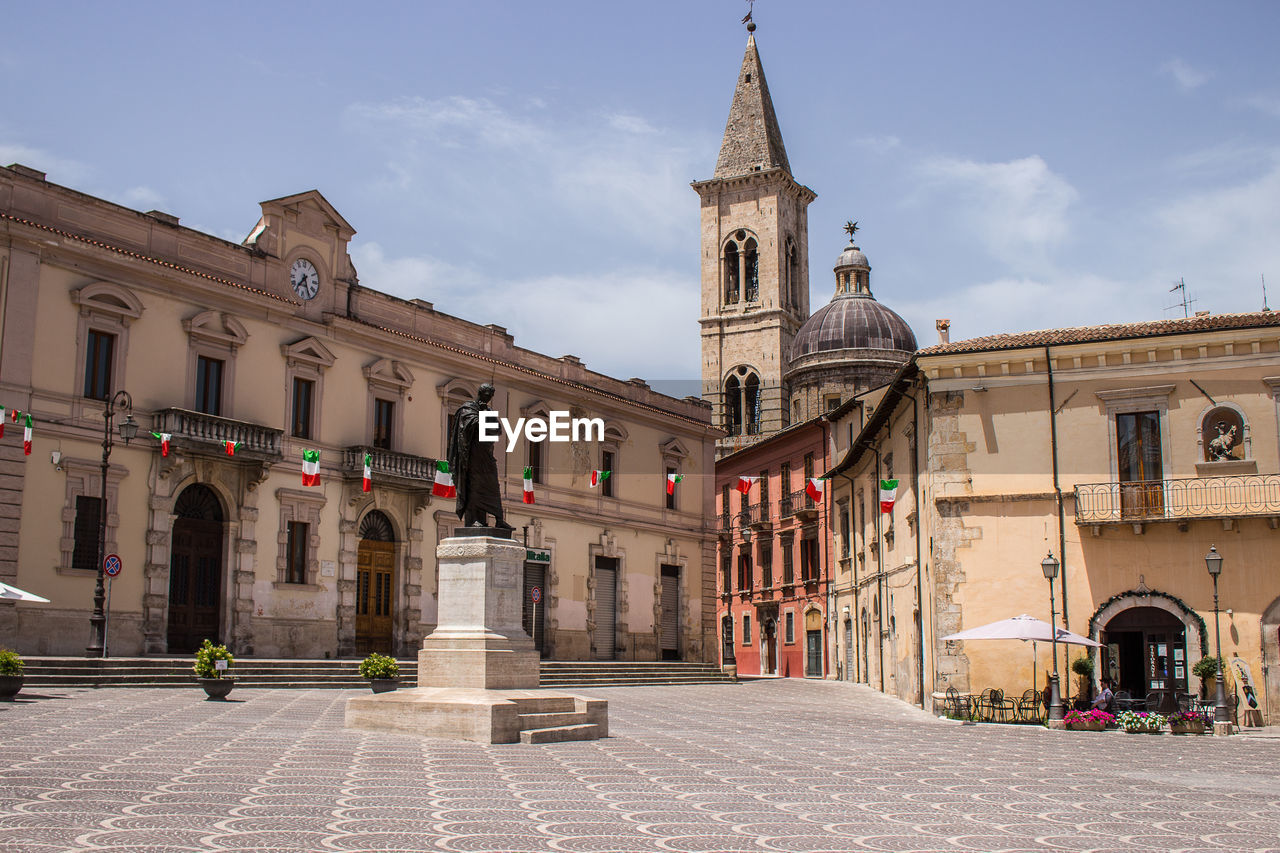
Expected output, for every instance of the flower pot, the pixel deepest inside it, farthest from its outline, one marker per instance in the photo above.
(1187, 728)
(384, 685)
(217, 688)
(1087, 726)
(9, 687)
(1143, 731)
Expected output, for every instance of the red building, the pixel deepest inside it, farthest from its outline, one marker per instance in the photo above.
(773, 554)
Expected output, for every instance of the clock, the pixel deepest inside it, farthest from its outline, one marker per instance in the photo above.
(304, 278)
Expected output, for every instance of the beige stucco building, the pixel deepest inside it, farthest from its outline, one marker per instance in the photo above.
(276, 345)
(1125, 451)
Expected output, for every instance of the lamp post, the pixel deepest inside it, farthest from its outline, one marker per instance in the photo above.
(1050, 568)
(1213, 562)
(128, 429)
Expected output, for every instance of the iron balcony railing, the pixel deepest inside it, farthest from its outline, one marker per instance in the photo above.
(391, 465)
(798, 503)
(201, 433)
(757, 513)
(1197, 497)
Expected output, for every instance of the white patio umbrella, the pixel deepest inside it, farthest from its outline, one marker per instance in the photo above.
(1023, 627)
(14, 594)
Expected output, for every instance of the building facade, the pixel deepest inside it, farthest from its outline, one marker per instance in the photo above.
(243, 357)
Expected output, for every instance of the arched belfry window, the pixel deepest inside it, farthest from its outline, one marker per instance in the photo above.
(733, 406)
(793, 273)
(742, 402)
(731, 273)
(751, 403)
(751, 270)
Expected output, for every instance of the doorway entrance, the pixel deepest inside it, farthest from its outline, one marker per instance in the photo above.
(670, 628)
(533, 615)
(375, 576)
(195, 570)
(1146, 650)
(606, 610)
(769, 646)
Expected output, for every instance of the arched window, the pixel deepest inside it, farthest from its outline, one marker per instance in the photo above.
(751, 270)
(793, 274)
(733, 406)
(751, 403)
(731, 289)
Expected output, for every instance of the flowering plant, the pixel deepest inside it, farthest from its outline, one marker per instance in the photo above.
(1140, 721)
(1093, 715)
(206, 655)
(1188, 718)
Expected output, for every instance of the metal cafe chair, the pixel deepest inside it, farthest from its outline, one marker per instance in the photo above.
(958, 704)
(1028, 709)
(1121, 700)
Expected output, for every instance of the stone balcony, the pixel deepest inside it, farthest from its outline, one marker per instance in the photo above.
(390, 467)
(1139, 502)
(198, 434)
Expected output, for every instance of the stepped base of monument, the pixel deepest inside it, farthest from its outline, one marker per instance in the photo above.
(483, 716)
(480, 659)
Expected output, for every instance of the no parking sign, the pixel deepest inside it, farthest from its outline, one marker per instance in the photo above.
(112, 565)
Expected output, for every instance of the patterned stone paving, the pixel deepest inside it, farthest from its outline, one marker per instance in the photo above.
(782, 765)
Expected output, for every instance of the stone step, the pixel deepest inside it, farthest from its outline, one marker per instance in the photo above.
(560, 734)
(551, 720)
(545, 705)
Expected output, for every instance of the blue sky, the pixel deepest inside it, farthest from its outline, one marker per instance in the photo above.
(1013, 166)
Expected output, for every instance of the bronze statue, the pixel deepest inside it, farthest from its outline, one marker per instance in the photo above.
(475, 472)
(1220, 448)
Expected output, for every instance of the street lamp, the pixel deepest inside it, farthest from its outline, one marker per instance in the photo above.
(128, 429)
(1213, 562)
(1050, 568)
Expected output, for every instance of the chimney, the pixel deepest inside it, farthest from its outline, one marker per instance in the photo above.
(944, 331)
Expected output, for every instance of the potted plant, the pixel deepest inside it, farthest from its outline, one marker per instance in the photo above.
(1083, 668)
(212, 664)
(382, 671)
(1205, 669)
(1141, 722)
(1187, 723)
(1093, 720)
(10, 674)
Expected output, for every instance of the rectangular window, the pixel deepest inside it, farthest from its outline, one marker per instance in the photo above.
(97, 367)
(535, 460)
(788, 563)
(606, 464)
(724, 508)
(671, 498)
(844, 531)
(209, 385)
(1140, 464)
(746, 629)
(784, 479)
(808, 475)
(744, 571)
(383, 412)
(808, 560)
(791, 626)
(764, 495)
(84, 554)
(303, 393)
(296, 551)
(766, 563)
(726, 571)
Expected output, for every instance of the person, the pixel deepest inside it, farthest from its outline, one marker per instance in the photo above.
(475, 472)
(1105, 697)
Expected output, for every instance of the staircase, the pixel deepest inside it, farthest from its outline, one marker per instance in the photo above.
(296, 674)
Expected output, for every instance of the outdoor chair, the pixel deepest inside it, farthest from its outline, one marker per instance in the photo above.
(957, 704)
(986, 705)
(1029, 706)
(1121, 700)
(997, 708)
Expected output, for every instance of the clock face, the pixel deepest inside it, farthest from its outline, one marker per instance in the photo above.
(304, 278)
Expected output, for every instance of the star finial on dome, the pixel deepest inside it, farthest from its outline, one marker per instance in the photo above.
(851, 228)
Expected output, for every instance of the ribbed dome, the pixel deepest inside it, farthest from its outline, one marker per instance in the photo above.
(852, 257)
(853, 321)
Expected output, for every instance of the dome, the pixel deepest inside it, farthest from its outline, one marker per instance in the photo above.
(852, 257)
(853, 321)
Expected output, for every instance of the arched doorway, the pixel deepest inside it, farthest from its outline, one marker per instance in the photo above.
(1145, 650)
(375, 580)
(195, 570)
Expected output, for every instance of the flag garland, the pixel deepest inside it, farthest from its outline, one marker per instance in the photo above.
(367, 485)
(672, 479)
(528, 484)
(598, 477)
(888, 494)
(26, 436)
(745, 484)
(231, 447)
(443, 486)
(163, 438)
(311, 467)
(815, 487)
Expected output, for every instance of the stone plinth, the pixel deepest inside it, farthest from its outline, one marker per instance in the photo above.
(478, 640)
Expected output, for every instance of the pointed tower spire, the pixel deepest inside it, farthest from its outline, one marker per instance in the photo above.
(752, 139)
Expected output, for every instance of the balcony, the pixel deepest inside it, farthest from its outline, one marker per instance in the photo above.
(403, 470)
(207, 435)
(1242, 496)
(800, 505)
(755, 516)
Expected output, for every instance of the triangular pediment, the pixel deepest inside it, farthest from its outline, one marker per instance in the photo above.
(217, 327)
(673, 447)
(310, 201)
(389, 373)
(309, 351)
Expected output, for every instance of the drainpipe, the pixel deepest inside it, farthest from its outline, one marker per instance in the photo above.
(853, 565)
(828, 501)
(1057, 489)
(915, 466)
(879, 572)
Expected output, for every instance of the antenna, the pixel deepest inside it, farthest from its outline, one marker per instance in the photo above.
(1264, 293)
(1186, 303)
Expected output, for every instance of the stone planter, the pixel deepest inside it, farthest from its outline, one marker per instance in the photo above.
(1087, 726)
(217, 688)
(9, 687)
(1144, 731)
(384, 685)
(1186, 728)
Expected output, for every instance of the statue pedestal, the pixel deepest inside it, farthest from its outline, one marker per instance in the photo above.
(478, 670)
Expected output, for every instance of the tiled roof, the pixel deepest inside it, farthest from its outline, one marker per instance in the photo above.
(1110, 332)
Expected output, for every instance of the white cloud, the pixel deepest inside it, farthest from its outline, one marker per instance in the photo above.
(878, 144)
(631, 124)
(142, 198)
(61, 170)
(1186, 76)
(453, 121)
(1265, 104)
(1017, 210)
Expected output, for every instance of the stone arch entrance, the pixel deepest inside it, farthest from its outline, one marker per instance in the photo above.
(375, 582)
(1151, 641)
(195, 570)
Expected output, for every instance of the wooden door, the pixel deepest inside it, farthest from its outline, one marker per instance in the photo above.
(195, 583)
(1140, 465)
(375, 573)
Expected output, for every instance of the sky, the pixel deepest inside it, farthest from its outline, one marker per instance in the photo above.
(1012, 166)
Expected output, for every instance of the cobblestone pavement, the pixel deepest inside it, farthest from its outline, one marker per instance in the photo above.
(787, 765)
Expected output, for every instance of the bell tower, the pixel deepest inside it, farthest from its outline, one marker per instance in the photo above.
(755, 265)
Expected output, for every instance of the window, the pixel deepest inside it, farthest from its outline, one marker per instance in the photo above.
(671, 498)
(766, 563)
(844, 530)
(209, 385)
(791, 626)
(84, 554)
(888, 466)
(383, 419)
(751, 403)
(784, 479)
(731, 273)
(1139, 456)
(535, 460)
(296, 551)
(808, 560)
(303, 395)
(726, 571)
(607, 461)
(832, 402)
(744, 570)
(746, 629)
(788, 563)
(764, 495)
(751, 271)
(808, 475)
(724, 507)
(97, 368)
(733, 406)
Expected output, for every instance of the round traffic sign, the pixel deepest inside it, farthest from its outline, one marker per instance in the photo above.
(536, 594)
(112, 565)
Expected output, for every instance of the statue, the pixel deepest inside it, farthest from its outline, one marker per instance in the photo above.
(475, 472)
(1220, 447)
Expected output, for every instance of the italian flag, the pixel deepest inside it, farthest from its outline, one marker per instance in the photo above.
(311, 467)
(2, 414)
(598, 477)
(443, 485)
(14, 414)
(231, 447)
(367, 485)
(528, 484)
(163, 438)
(672, 479)
(888, 491)
(745, 483)
(26, 436)
(815, 487)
